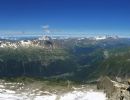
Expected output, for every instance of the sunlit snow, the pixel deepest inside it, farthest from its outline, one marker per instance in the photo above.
(79, 93)
(75, 95)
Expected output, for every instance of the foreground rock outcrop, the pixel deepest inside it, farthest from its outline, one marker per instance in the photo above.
(113, 89)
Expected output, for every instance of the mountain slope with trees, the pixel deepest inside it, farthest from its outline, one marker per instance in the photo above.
(72, 59)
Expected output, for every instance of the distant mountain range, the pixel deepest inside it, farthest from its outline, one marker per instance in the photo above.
(35, 40)
(78, 59)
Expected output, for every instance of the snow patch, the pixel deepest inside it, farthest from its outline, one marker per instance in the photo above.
(79, 95)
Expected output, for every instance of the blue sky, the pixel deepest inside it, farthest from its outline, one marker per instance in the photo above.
(65, 17)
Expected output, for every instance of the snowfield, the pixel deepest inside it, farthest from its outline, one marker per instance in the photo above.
(21, 93)
(75, 95)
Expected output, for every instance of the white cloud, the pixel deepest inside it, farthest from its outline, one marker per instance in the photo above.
(46, 29)
(45, 26)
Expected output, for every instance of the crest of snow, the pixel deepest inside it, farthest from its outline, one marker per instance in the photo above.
(100, 37)
(24, 43)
